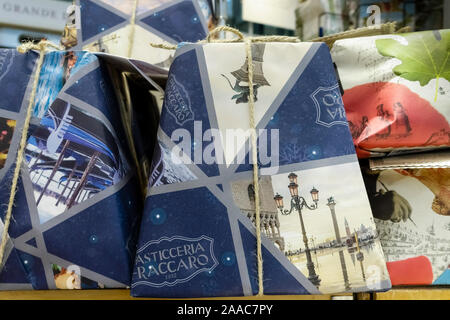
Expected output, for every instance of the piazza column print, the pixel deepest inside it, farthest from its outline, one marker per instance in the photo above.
(298, 203)
(332, 204)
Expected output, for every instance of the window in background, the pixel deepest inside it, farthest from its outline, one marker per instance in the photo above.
(316, 18)
(234, 10)
(31, 20)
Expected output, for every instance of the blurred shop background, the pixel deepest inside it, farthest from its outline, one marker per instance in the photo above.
(22, 20)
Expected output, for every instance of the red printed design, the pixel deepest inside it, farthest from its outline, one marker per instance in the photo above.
(385, 116)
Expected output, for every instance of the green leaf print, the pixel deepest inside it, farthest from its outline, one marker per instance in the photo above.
(426, 57)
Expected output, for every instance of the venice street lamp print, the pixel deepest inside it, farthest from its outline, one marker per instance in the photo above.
(324, 231)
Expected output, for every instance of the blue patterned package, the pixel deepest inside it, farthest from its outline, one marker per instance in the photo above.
(126, 27)
(78, 201)
(197, 236)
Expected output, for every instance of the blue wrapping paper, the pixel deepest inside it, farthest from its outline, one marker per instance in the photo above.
(197, 235)
(107, 26)
(78, 201)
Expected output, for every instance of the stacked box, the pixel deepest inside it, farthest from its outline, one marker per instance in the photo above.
(197, 237)
(396, 91)
(113, 26)
(411, 210)
(78, 201)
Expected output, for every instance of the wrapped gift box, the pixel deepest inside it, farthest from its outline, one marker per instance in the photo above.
(78, 201)
(107, 26)
(411, 207)
(197, 236)
(396, 91)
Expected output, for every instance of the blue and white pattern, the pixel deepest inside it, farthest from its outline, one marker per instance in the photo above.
(104, 26)
(211, 205)
(78, 201)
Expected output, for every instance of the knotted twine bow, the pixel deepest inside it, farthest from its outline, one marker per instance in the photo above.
(251, 103)
(24, 48)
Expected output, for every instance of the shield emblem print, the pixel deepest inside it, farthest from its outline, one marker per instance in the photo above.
(329, 107)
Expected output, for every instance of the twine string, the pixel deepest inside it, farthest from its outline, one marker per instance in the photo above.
(386, 28)
(240, 38)
(163, 46)
(248, 46)
(217, 30)
(132, 28)
(41, 47)
(25, 47)
(251, 105)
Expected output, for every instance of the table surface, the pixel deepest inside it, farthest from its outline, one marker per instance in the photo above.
(394, 294)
